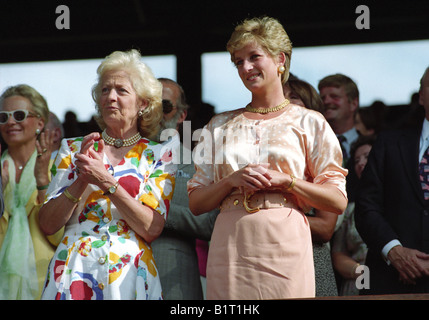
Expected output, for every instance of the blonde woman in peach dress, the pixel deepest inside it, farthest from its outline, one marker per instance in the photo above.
(264, 165)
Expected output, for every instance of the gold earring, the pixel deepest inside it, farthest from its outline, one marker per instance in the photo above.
(281, 69)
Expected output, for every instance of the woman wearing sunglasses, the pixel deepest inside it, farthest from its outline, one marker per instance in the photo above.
(25, 251)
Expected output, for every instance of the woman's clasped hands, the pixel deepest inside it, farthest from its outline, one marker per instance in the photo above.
(257, 177)
(89, 161)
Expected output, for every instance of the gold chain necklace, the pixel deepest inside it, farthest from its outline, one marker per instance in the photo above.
(268, 110)
(119, 142)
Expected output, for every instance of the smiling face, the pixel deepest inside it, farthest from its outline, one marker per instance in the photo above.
(17, 133)
(256, 68)
(119, 103)
(339, 109)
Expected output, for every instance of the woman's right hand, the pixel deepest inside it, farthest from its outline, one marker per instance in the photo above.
(88, 142)
(251, 178)
(90, 166)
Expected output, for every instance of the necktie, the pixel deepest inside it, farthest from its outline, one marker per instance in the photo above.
(343, 140)
(424, 174)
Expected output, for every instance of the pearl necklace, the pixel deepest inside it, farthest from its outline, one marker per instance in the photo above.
(119, 142)
(268, 110)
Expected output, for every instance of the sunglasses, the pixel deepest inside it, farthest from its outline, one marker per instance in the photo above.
(167, 106)
(17, 115)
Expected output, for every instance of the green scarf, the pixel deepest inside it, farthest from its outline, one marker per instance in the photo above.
(18, 275)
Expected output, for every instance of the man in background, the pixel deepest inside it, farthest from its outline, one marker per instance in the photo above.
(340, 96)
(392, 207)
(174, 251)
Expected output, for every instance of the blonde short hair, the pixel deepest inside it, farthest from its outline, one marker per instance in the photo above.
(268, 33)
(146, 86)
(38, 102)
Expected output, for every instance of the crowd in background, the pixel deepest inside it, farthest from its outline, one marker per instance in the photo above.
(341, 243)
(333, 278)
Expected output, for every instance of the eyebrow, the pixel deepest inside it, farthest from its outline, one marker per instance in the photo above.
(254, 51)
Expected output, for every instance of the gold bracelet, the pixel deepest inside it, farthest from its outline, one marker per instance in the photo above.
(292, 183)
(70, 197)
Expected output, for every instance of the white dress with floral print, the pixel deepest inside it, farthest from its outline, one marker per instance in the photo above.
(100, 256)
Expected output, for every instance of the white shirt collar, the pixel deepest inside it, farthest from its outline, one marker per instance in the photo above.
(350, 135)
(424, 137)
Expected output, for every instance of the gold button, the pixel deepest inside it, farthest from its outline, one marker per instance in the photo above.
(104, 237)
(102, 260)
(285, 200)
(235, 202)
(101, 286)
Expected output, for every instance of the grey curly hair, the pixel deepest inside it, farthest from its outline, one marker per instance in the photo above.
(145, 84)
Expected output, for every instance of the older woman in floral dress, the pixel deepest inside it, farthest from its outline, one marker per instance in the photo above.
(112, 191)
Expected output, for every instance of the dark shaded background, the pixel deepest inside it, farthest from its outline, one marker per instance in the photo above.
(189, 28)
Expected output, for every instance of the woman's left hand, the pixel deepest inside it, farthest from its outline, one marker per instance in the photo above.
(89, 141)
(278, 179)
(90, 166)
(44, 147)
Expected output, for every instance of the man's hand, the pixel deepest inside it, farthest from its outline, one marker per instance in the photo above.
(410, 263)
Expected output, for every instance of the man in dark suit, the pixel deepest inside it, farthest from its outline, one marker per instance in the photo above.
(174, 251)
(392, 214)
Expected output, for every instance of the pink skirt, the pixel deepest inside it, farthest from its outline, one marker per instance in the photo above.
(263, 255)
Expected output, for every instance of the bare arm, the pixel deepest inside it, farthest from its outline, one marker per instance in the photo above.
(322, 225)
(54, 214)
(142, 219)
(41, 168)
(258, 177)
(345, 265)
(145, 221)
(322, 197)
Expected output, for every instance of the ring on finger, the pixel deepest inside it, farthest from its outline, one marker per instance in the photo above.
(39, 155)
(44, 150)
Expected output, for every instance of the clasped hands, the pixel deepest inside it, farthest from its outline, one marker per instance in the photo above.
(410, 263)
(256, 177)
(89, 161)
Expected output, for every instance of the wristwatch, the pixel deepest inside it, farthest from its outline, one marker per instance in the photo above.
(112, 189)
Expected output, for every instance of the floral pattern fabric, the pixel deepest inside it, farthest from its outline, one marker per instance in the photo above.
(100, 256)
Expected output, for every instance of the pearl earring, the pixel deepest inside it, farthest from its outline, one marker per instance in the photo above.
(140, 113)
(37, 131)
(281, 69)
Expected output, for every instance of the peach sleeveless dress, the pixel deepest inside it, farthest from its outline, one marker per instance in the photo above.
(268, 254)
